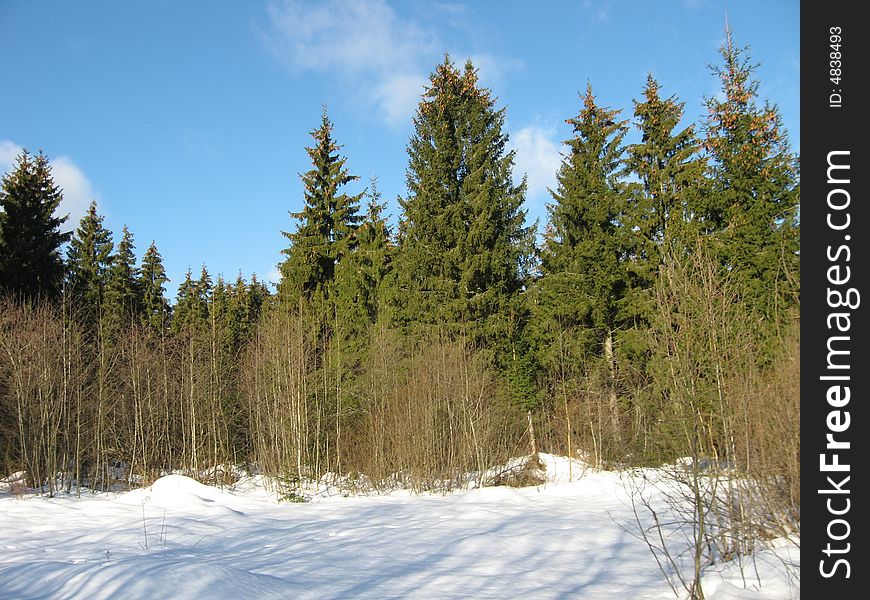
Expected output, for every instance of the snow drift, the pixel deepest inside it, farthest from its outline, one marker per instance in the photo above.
(571, 537)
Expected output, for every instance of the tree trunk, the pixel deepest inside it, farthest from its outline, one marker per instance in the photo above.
(610, 357)
(532, 441)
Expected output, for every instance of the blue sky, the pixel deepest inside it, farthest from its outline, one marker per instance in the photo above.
(187, 121)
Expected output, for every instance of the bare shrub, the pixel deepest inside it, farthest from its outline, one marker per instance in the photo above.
(716, 408)
(41, 371)
(275, 392)
(433, 414)
(529, 472)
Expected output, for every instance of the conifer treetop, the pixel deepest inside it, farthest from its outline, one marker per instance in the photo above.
(30, 237)
(327, 222)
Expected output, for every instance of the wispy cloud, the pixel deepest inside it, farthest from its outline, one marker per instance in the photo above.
(77, 189)
(600, 8)
(376, 53)
(398, 96)
(365, 42)
(349, 35)
(538, 156)
(274, 276)
(8, 151)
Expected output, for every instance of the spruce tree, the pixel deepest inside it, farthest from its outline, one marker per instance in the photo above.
(583, 296)
(359, 278)
(259, 300)
(671, 171)
(323, 240)
(223, 334)
(326, 223)
(185, 309)
(191, 309)
(582, 261)
(123, 296)
(462, 239)
(238, 313)
(31, 265)
(223, 319)
(88, 261)
(243, 310)
(753, 209)
(152, 279)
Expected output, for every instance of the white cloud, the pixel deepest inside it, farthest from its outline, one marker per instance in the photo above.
(380, 56)
(77, 189)
(274, 276)
(8, 151)
(349, 35)
(538, 156)
(363, 41)
(398, 96)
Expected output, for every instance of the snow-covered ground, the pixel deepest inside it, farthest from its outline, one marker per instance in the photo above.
(180, 539)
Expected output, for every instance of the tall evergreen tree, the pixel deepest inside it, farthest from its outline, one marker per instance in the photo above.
(184, 310)
(123, 296)
(359, 277)
(585, 245)
(259, 299)
(323, 241)
(30, 237)
(152, 279)
(224, 331)
(361, 274)
(671, 171)
(191, 309)
(462, 240)
(753, 210)
(244, 305)
(88, 261)
(586, 273)
(325, 224)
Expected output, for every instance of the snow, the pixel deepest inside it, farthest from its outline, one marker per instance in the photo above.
(571, 537)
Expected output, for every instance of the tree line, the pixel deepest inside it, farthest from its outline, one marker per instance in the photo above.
(655, 316)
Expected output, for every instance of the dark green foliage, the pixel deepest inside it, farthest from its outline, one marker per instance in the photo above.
(191, 311)
(258, 300)
(326, 223)
(31, 265)
(152, 277)
(523, 373)
(374, 252)
(462, 241)
(88, 261)
(123, 295)
(233, 311)
(245, 304)
(185, 303)
(671, 174)
(753, 212)
(359, 277)
(224, 327)
(587, 276)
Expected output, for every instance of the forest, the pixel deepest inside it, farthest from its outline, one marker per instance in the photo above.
(654, 316)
